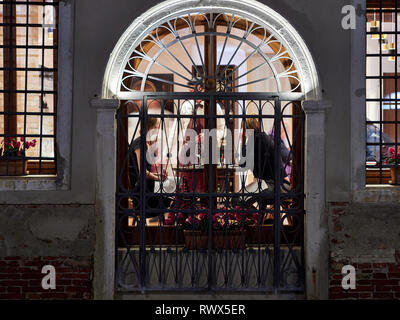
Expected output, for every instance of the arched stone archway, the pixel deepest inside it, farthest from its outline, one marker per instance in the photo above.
(277, 25)
(316, 242)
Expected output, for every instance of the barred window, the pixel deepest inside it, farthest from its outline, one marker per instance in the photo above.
(28, 87)
(383, 92)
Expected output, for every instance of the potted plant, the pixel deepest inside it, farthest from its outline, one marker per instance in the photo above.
(12, 156)
(391, 157)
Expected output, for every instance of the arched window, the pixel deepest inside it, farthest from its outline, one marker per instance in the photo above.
(199, 86)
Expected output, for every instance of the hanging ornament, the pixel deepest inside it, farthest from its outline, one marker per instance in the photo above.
(384, 42)
(392, 46)
(374, 27)
(392, 51)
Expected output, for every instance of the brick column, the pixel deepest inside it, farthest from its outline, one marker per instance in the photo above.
(104, 265)
(316, 222)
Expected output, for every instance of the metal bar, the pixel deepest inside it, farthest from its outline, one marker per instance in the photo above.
(142, 175)
(277, 194)
(285, 96)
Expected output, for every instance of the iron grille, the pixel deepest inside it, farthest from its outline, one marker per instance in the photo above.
(28, 91)
(154, 252)
(382, 92)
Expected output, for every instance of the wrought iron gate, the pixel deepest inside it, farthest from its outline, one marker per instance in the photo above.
(203, 225)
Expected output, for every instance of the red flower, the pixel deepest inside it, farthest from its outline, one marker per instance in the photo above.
(391, 150)
(189, 220)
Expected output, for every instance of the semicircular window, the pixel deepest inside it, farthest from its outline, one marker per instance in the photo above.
(215, 51)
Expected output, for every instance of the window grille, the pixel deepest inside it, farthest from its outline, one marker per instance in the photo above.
(28, 91)
(382, 84)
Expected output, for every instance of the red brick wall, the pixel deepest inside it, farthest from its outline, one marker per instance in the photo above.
(21, 277)
(350, 229)
(373, 281)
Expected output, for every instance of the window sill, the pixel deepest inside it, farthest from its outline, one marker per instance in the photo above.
(31, 183)
(378, 193)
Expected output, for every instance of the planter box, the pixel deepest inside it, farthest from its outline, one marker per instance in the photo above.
(13, 167)
(220, 240)
(395, 175)
(195, 240)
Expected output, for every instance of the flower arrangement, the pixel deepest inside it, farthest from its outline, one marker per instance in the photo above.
(14, 147)
(236, 219)
(390, 156)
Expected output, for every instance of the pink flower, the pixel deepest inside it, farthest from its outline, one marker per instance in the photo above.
(18, 145)
(27, 145)
(22, 139)
(391, 150)
(202, 216)
(189, 220)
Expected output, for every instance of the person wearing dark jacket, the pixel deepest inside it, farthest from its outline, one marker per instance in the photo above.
(264, 156)
(264, 167)
(152, 202)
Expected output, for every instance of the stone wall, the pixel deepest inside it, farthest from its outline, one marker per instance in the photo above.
(366, 236)
(32, 236)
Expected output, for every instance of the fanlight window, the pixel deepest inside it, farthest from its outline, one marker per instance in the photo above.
(222, 52)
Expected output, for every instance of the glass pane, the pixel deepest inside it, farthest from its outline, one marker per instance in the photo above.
(32, 124)
(34, 80)
(373, 68)
(373, 89)
(48, 125)
(48, 147)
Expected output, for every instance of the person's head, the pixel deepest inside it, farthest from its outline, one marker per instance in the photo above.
(148, 87)
(152, 123)
(136, 86)
(252, 124)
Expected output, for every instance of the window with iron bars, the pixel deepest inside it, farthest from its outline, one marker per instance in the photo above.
(28, 87)
(383, 92)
